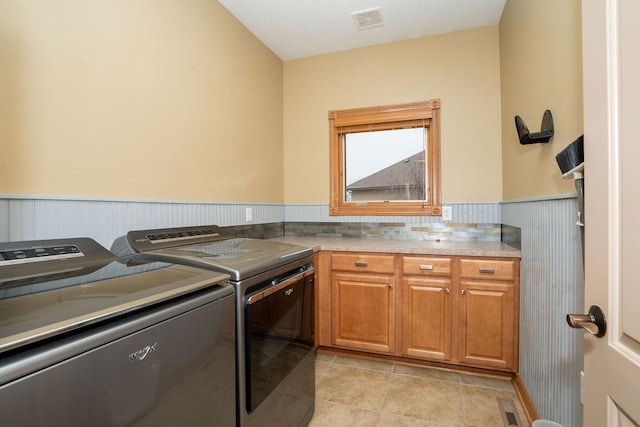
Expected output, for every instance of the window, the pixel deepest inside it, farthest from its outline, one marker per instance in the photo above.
(385, 160)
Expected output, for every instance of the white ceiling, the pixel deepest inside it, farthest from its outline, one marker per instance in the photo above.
(299, 28)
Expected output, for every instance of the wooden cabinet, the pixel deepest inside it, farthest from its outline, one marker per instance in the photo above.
(426, 307)
(363, 302)
(489, 313)
(458, 310)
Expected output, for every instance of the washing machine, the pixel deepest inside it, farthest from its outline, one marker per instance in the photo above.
(88, 339)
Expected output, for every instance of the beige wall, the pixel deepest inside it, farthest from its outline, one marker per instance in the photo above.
(541, 68)
(151, 99)
(148, 99)
(461, 68)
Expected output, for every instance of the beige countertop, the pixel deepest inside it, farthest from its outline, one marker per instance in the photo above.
(423, 247)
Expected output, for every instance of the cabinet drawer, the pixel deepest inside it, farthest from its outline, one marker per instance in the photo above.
(426, 266)
(363, 262)
(487, 269)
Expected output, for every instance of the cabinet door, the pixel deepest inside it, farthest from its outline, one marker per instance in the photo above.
(363, 311)
(488, 324)
(426, 318)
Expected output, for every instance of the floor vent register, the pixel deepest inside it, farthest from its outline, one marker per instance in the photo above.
(509, 413)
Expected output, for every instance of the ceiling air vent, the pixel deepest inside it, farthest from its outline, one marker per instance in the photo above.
(369, 18)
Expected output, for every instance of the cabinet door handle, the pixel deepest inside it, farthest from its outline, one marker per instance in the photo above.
(447, 291)
(487, 270)
(463, 292)
(390, 285)
(361, 264)
(426, 267)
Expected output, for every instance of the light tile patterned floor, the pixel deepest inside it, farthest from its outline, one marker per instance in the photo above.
(357, 392)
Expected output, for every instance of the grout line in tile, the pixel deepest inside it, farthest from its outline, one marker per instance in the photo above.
(384, 398)
(462, 402)
(489, 387)
(427, 378)
(380, 413)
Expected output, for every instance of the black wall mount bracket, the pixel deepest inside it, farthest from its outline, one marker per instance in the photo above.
(545, 134)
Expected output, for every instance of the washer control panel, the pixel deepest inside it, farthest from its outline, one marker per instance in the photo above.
(39, 253)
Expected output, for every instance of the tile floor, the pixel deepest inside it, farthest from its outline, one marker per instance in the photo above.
(357, 392)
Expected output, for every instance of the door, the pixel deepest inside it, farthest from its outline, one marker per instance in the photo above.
(612, 172)
(279, 350)
(487, 319)
(426, 317)
(363, 312)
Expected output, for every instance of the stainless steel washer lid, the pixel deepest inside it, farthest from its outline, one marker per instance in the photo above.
(240, 258)
(60, 298)
(213, 248)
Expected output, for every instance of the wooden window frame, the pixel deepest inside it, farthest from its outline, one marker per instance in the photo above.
(383, 118)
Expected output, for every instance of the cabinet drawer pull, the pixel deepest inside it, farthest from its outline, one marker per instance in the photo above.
(487, 270)
(362, 264)
(426, 267)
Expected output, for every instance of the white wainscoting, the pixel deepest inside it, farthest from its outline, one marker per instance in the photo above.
(30, 218)
(4, 220)
(104, 220)
(552, 285)
(464, 212)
